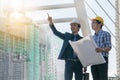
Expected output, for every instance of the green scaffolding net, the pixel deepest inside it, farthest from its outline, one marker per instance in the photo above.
(32, 54)
(27, 46)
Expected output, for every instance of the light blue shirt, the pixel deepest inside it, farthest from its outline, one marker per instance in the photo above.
(103, 40)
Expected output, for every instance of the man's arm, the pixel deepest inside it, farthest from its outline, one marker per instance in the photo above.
(106, 49)
(107, 41)
(57, 33)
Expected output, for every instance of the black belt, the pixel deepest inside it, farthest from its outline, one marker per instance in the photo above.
(73, 60)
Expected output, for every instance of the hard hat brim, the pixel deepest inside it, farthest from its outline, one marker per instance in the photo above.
(74, 23)
(94, 19)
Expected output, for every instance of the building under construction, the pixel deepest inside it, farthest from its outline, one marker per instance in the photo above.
(26, 45)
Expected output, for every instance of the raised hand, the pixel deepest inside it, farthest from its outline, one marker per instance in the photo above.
(49, 19)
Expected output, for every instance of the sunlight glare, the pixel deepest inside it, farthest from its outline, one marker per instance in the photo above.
(16, 5)
(16, 15)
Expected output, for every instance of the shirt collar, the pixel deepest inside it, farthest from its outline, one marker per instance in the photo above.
(98, 32)
(76, 35)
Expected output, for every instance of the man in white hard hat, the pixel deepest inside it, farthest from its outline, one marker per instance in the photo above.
(72, 63)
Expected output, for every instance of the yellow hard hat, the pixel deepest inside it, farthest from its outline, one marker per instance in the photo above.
(99, 19)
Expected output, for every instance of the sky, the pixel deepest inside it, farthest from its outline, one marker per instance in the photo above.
(65, 27)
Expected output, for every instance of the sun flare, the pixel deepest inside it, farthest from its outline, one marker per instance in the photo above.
(14, 5)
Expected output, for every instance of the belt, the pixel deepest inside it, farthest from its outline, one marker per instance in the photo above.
(73, 60)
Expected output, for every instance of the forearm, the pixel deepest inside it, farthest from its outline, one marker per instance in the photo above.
(56, 32)
(106, 49)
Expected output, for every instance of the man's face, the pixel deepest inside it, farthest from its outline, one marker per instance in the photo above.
(94, 25)
(74, 27)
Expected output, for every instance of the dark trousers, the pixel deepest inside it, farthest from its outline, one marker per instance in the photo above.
(100, 72)
(73, 66)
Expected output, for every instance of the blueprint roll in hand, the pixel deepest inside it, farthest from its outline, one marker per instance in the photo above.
(85, 51)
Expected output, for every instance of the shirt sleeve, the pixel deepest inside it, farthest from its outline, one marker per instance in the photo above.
(56, 32)
(107, 40)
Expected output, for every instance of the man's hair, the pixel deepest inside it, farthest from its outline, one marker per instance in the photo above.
(79, 25)
(99, 23)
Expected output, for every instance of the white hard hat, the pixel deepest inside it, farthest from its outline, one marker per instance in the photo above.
(75, 21)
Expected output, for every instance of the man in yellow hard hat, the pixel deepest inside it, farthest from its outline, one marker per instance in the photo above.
(103, 41)
(72, 63)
